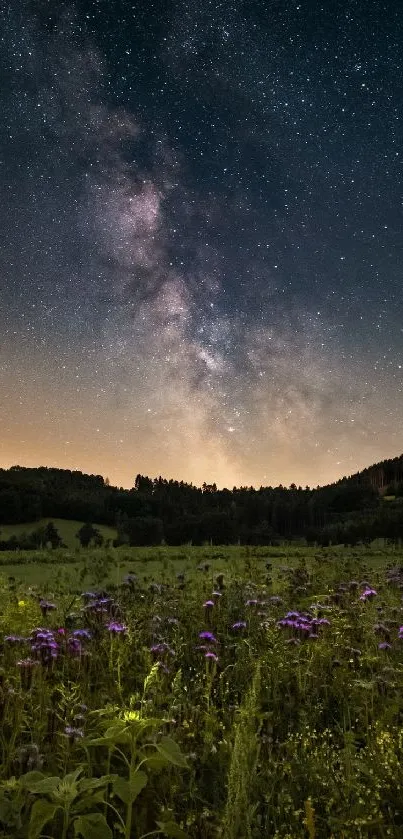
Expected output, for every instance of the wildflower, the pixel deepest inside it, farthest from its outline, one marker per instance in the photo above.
(27, 663)
(22, 604)
(252, 602)
(82, 634)
(384, 646)
(27, 666)
(73, 733)
(208, 636)
(116, 628)
(212, 656)
(74, 646)
(208, 604)
(44, 645)
(45, 607)
(239, 625)
(368, 593)
(14, 639)
(217, 594)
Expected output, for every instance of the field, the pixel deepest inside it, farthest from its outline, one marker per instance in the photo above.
(66, 527)
(202, 692)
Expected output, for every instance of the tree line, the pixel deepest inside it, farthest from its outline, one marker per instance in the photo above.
(157, 510)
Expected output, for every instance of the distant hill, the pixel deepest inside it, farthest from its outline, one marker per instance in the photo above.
(387, 473)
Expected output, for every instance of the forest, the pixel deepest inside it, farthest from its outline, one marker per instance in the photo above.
(359, 508)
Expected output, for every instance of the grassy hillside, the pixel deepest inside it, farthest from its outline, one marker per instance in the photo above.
(66, 528)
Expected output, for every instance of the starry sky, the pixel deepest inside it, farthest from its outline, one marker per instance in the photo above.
(201, 238)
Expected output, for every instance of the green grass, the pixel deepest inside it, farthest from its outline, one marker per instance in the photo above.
(284, 735)
(63, 567)
(66, 527)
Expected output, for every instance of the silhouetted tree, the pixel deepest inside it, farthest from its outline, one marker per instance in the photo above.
(86, 534)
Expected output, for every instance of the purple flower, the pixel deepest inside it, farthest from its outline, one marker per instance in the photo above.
(384, 646)
(74, 646)
(82, 634)
(73, 733)
(208, 636)
(212, 656)
(239, 625)
(252, 602)
(116, 628)
(44, 645)
(368, 593)
(208, 604)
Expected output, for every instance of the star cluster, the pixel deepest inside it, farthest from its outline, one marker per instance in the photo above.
(201, 216)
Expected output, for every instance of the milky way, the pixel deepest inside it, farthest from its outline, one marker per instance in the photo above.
(201, 238)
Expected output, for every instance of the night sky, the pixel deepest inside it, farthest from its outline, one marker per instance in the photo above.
(201, 243)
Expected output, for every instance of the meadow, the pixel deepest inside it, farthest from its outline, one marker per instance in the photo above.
(202, 693)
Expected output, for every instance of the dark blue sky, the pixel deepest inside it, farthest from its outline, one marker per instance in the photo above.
(201, 238)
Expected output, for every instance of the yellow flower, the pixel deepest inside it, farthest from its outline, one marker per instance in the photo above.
(21, 604)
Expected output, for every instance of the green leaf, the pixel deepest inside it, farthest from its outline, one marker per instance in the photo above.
(42, 812)
(172, 829)
(30, 777)
(121, 788)
(92, 826)
(93, 783)
(128, 790)
(156, 762)
(171, 751)
(138, 780)
(46, 786)
(85, 802)
(118, 733)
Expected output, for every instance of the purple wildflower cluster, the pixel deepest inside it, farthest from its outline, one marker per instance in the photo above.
(47, 645)
(210, 639)
(206, 635)
(96, 604)
(302, 624)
